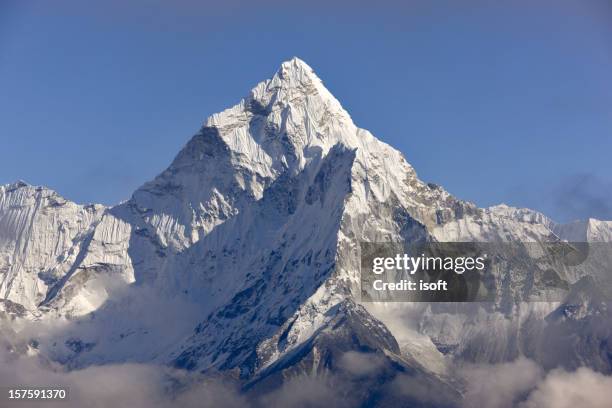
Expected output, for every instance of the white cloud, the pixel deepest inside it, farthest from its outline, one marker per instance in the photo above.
(421, 390)
(117, 385)
(306, 391)
(583, 388)
(518, 384)
(499, 385)
(522, 384)
(361, 364)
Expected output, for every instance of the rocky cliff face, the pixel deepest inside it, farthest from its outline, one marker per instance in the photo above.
(243, 256)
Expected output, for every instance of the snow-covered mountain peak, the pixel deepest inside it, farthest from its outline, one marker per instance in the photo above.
(591, 229)
(292, 108)
(285, 126)
(292, 119)
(520, 214)
(14, 186)
(41, 234)
(293, 72)
(296, 75)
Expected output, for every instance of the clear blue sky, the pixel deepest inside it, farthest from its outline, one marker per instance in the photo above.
(498, 103)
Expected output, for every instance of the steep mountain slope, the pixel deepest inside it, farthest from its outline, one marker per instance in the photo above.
(243, 256)
(43, 238)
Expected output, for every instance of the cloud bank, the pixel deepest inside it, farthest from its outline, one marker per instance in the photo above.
(523, 384)
(518, 384)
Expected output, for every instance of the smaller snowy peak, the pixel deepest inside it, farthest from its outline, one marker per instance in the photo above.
(21, 193)
(591, 230)
(6, 188)
(40, 236)
(520, 214)
(599, 231)
(574, 231)
(18, 184)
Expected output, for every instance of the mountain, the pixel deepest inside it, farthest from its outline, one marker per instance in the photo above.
(242, 257)
(42, 237)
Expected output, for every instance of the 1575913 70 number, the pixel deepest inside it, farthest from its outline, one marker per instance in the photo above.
(36, 393)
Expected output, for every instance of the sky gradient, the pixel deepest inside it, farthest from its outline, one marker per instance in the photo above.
(497, 103)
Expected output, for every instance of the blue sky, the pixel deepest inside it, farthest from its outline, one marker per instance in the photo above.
(496, 102)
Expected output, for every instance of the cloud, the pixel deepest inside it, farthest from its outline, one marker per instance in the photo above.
(105, 386)
(518, 384)
(159, 386)
(211, 394)
(421, 390)
(133, 325)
(499, 385)
(361, 364)
(582, 196)
(522, 384)
(117, 385)
(583, 388)
(402, 319)
(306, 391)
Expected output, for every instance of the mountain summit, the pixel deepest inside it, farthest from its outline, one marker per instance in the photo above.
(243, 256)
